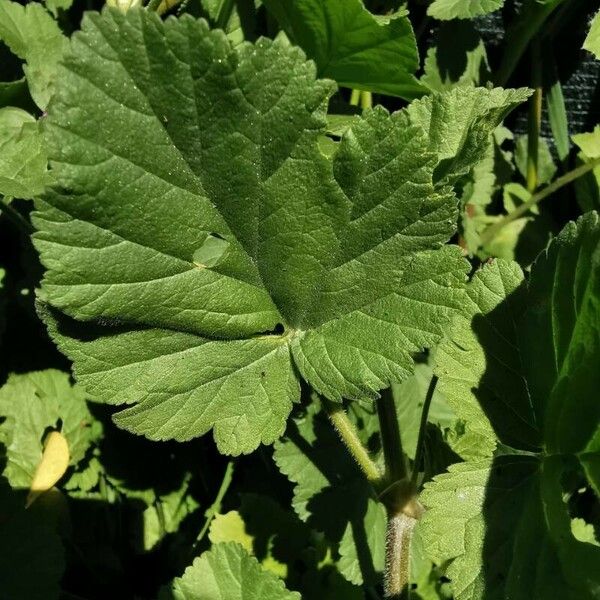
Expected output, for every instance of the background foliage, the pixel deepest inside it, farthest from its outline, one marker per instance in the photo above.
(233, 238)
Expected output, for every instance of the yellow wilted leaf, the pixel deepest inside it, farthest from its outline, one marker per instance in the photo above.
(52, 466)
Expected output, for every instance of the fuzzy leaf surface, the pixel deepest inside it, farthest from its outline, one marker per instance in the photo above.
(198, 280)
(227, 571)
(459, 124)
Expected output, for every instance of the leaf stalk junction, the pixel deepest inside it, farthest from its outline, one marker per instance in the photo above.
(396, 488)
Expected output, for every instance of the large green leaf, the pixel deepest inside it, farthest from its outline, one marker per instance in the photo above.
(227, 571)
(462, 9)
(352, 46)
(33, 35)
(521, 371)
(238, 256)
(23, 162)
(32, 403)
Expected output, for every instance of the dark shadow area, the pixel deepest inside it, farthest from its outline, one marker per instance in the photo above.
(519, 546)
(24, 341)
(344, 501)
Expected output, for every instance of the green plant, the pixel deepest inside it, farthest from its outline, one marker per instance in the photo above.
(351, 300)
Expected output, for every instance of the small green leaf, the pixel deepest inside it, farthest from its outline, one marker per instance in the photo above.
(23, 162)
(352, 46)
(33, 403)
(227, 571)
(457, 58)
(31, 33)
(592, 41)
(546, 169)
(462, 9)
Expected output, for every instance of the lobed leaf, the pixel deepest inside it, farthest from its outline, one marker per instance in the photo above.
(227, 571)
(198, 281)
(520, 369)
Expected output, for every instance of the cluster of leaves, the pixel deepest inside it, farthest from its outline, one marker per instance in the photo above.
(206, 233)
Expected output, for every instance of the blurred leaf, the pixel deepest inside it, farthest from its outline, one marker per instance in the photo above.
(52, 466)
(409, 397)
(587, 188)
(557, 113)
(592, 41)
(546, 167)
(589, 143)
(31, 33)
(352, 46)
(230, 527)
(584, 532)
(166, 513)
(54, 6)
(513, 195)
(23, 162)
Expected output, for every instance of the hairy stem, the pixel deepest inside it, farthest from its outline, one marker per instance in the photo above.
(347, 432)
(395, 465)
(397, 556)
(422, 431)
(355, 97)
(490, 233)
(215, 507)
